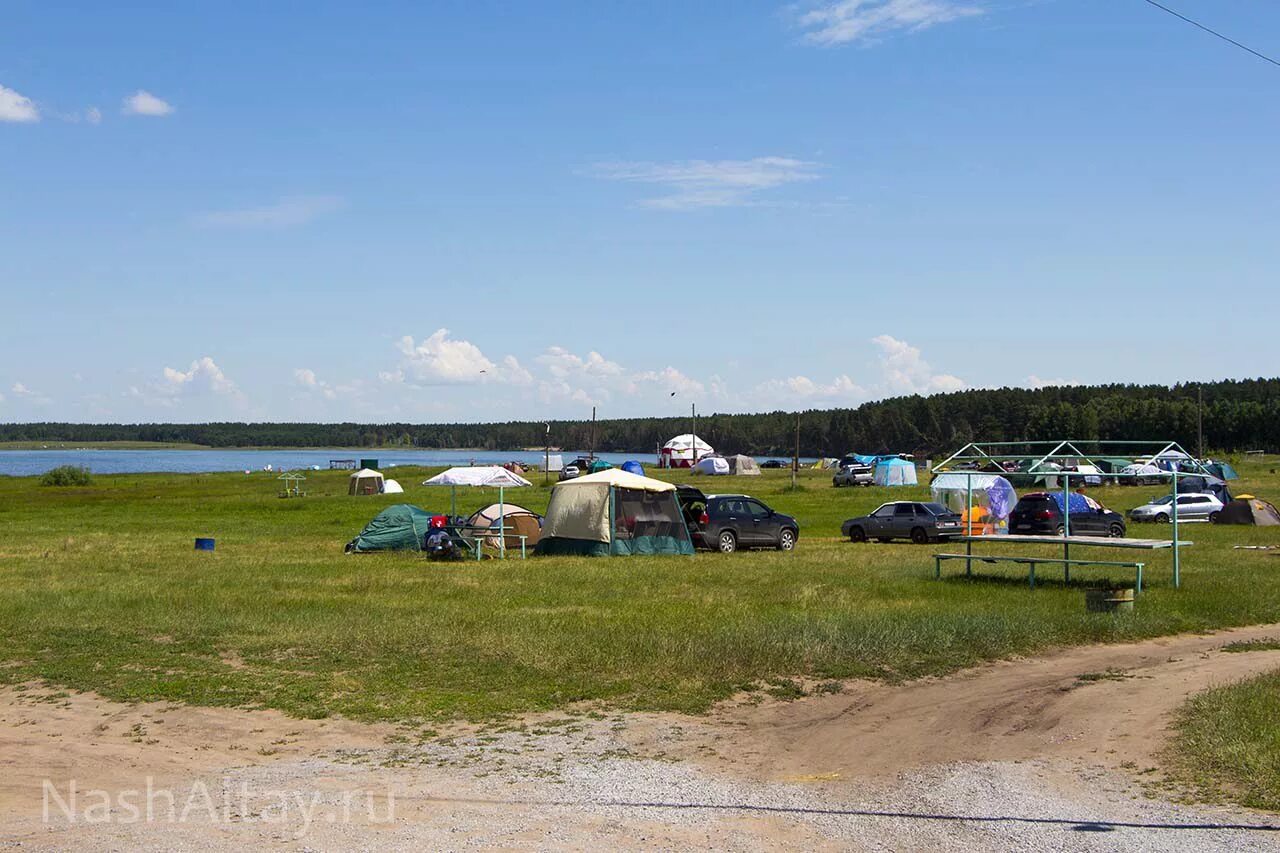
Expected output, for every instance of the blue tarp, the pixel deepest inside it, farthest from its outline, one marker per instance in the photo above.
(1079, 502)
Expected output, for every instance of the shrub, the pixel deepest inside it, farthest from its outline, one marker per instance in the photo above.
(67, 475)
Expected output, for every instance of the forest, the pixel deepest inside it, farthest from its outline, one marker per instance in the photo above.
(1231, 415)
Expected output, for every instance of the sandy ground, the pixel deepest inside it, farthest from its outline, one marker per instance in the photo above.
(1013, 755)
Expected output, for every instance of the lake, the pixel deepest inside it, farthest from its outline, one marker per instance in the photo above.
(27, 462)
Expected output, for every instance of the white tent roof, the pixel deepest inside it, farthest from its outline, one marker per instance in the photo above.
(480, 475)
(960, 482)
(618, 478)
(366, 472)
(391, 487)
(684, 442)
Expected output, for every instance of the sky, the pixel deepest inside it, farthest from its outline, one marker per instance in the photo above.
(475, 211)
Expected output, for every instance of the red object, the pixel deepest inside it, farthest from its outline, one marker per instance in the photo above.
(1044, 515)
(438, 521)
(704, 519)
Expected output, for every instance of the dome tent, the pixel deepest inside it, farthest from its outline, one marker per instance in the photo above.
(715, 465)
(682, 451)
(631, 466)
(401, 527)
(614, 513)
(1247, 509)
(510, 521)
(895, 472)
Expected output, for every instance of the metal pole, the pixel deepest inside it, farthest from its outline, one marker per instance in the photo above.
(1066, 518)
(502, 525)
(693, 436)
(1200, 421)
(968, 542)
(546, 462)
(795, 460)
(1177, 561)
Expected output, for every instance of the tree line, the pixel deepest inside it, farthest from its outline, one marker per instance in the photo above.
(1235, 415)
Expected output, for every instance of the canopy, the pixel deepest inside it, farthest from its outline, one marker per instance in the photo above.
(895, 472)
(614, 513)
(366, 481)
(397, 528)
(480, 475)
(712, 465)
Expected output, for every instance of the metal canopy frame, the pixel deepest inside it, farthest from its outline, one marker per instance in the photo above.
(1041, 452)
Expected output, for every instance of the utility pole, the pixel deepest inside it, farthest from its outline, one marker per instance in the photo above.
(693, 436)
(546, 463)
(1200, 421)
(795, 460)
(591, 454)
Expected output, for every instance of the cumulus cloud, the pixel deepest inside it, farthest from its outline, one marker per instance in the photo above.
(1034, 382)
(846, 21)
(441, 360)
(295, 210)
(804, 391)
(691, 184)
(306, 379)
(906, 372)
(22, 390)
(17, 108)
(203, 377)
(93, 115)
(143, 103)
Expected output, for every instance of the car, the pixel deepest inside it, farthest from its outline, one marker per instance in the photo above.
(853, 475)
(1040, 514)
(1195, 505)
(570, 472)
(774, 463)
(915, 520)
(726, 523)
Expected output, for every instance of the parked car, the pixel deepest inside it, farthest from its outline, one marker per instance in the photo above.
(1039, 514)
(570, 472)
(919, 522)
(774, 463)
(726, 523)
(1196, 505)
(853, 475)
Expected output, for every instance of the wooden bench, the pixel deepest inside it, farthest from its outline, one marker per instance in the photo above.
(1033, 562)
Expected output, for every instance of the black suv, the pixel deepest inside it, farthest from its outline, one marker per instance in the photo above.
(726, 523)
(1040, 514)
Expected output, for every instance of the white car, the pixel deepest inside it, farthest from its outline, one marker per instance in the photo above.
(1194, 506)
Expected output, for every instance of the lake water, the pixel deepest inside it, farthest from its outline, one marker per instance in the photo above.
(28, 462)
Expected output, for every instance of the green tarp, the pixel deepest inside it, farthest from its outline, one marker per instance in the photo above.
(397, 528)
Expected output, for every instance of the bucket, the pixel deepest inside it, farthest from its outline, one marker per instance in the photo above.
(204, 544)
(1108, 600)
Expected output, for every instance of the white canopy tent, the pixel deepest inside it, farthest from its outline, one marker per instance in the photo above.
(366, 481)
(480, 476)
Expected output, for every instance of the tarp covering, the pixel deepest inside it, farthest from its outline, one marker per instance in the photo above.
(1079, 502)
(895, 472)
(479, 475)
(397, 528)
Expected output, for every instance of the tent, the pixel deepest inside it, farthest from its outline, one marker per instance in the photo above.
(555, 462)
(991, 493)
(479, 475)
(743, 466)
(391, 487)
(397, 528)
(516, 521)
(614, 513)
(1170, 460)
(366, 481)
(1140, 473)
(595, 466)
(631, 466)
(712, 465)
(895, 472)
(1247, 509)
(682, 451)
(1222, 470)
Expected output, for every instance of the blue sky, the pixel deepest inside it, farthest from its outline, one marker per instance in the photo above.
(476, 211)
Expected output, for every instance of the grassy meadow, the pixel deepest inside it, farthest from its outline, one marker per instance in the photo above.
(100, 589)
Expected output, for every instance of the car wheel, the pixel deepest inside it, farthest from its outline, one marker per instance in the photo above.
(1162, 518)
(1116, 531)
(1060, 531)
(787, 540)
(919, 536)
(1213, 518)
(835, 484)
(728, 543)
(857, 534)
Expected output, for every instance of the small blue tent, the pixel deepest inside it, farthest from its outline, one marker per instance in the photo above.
(631, 466)
(895, 472)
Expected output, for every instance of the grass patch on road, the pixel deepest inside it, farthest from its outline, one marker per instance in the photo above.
(100, 589)
(1228, 744)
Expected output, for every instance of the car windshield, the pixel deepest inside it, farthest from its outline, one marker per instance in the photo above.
(1162, 501)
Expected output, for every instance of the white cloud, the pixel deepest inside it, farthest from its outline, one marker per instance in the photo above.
(143, 103)
(691, 184)
(307, 379)
(845, 21)
(441, 360)
(906, 372)
(802, 390)
(297, 210)
(15, 107)
(93, 115)
(1034, 382)
(22, 390)
(204, 376)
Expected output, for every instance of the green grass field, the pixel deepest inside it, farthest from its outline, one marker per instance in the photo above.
(1228, 743)
(100, 589)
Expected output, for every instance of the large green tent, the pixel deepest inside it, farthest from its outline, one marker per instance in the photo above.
(401, 527)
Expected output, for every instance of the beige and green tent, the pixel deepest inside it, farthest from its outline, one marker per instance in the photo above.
(614, 513)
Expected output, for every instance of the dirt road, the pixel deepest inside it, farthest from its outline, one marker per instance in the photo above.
(1043, 753)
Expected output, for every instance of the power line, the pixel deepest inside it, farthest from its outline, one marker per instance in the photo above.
(1213, 32)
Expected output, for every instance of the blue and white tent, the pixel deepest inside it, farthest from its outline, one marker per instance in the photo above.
(895, 472)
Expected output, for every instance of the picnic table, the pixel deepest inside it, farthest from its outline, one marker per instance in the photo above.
(1065, 560)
